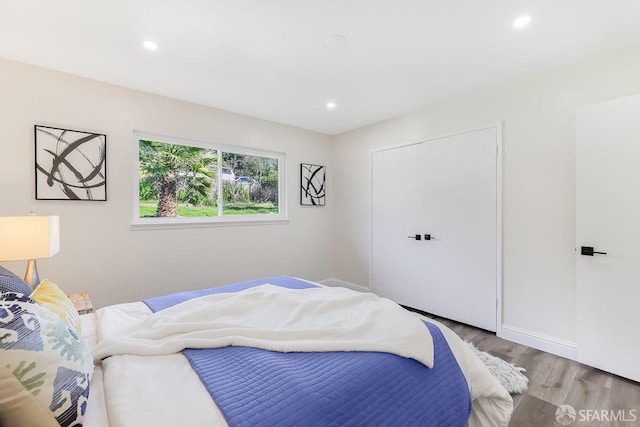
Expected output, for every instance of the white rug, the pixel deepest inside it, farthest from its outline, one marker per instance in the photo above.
(511, 377)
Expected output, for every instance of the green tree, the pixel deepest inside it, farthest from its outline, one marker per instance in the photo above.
(169, 163)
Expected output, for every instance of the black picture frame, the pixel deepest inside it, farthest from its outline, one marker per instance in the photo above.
(70, 164)
(312, 184)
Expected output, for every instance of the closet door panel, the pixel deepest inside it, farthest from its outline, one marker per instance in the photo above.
(607, 230)
(445, 188)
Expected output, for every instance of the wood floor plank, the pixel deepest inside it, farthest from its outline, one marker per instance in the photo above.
(507, 349)
(585, 394)
(625, 395)
(556, 380)
(595, 375)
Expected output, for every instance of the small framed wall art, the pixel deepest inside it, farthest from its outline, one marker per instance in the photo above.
(312, 184)
(70, 164)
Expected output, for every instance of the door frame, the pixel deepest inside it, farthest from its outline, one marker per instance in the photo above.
(498, 128)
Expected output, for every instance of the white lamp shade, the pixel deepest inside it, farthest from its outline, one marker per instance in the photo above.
(29, 237)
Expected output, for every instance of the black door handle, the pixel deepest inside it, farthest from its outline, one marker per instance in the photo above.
(419, 237)
(588, 251)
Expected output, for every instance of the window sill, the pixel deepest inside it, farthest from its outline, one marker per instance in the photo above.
(177, 223)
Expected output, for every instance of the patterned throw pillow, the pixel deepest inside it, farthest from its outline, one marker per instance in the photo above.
(51, 296)
(46, 357)
(9, 282)
(18, 407)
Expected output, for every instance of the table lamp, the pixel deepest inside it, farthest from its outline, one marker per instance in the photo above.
(29, 237)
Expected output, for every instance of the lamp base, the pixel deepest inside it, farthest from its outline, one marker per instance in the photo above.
(31, 276)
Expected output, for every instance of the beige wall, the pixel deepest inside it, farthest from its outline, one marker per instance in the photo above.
(539, 282)
(99, 251)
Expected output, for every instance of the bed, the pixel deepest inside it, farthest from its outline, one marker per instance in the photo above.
(282, 351)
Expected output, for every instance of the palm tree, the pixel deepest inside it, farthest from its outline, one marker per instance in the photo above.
(169, 163)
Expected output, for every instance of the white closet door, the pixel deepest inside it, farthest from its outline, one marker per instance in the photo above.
(608, 220)
(446, 188)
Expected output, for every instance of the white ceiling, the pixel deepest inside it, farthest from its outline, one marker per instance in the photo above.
(271, 59)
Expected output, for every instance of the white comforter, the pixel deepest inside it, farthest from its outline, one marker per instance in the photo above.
(278, 319)
(136, 395)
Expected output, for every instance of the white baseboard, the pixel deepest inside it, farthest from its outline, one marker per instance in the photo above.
(539, 341)
(342, 283)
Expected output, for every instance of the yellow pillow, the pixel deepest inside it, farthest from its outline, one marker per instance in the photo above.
(51, 296)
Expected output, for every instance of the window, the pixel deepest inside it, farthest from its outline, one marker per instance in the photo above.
(191, 182)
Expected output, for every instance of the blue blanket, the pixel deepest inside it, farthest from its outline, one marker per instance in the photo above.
(254, 387)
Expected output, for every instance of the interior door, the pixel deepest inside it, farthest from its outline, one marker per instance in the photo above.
(446, 189)
(608, 220)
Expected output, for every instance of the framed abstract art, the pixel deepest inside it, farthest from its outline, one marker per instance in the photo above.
(70, 164)
(312, 184)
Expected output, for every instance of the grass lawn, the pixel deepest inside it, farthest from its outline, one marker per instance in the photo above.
(249, 209)
(148, 209)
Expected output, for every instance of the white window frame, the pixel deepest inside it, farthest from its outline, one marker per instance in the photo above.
(221, 220)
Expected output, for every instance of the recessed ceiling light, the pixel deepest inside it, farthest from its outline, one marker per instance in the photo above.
(523, 21)
(336, 40)
(331, 105)
(150, 45)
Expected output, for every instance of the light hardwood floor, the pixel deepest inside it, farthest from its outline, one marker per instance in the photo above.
(555, 381)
